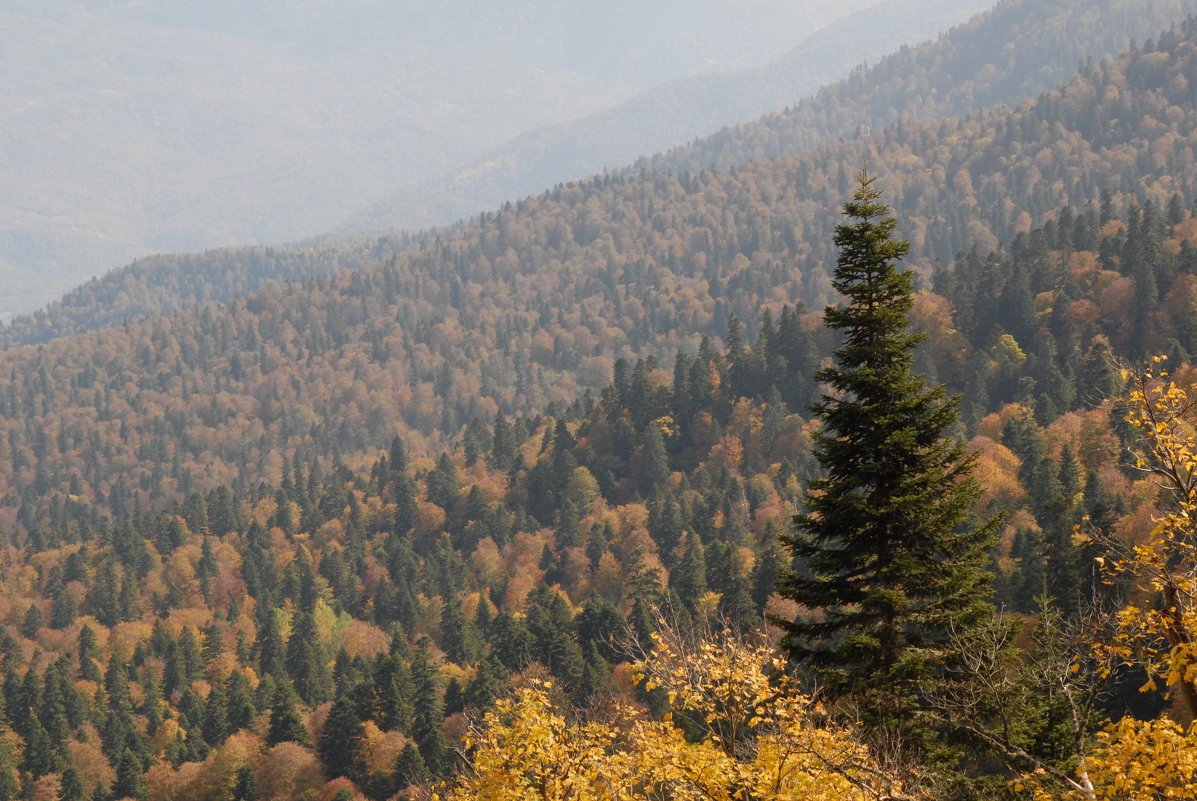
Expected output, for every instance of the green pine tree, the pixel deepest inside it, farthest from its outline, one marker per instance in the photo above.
(429, 712)
(130, 777)
(410, 768)
(342, 740)
(71, 787)
(245, 788)
(887, 560)
(689, 577)
(285, 723)
(306, 662)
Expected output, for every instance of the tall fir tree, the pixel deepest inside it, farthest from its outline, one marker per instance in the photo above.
(887, 561)
(341, 743)
(286, 725)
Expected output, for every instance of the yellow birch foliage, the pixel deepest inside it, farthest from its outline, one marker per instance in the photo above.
(1138, 760)
(760, 739)
(1153, 759)
(1158, 627)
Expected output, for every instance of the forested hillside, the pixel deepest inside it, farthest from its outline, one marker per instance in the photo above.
(1018, 50)
(136, 128)
(1005, 56)
(336, 629)
(498, 511)
(670, 114)
(533, 304)
(159, 285)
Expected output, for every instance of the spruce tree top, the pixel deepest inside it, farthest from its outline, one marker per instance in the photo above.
(887, 564)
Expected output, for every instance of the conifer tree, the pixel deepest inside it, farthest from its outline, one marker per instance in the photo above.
(887, 562)
(341, 740)
(130, 777)
(689, 577)
(410, 768)
(285, 723)
(306, 663)
(429, 712)
(71, 787)
(393, 693)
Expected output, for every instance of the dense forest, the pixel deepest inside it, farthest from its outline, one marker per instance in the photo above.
(535, 303)
(1007, 55)
(158, 285)
(512, 513)
(344, 625)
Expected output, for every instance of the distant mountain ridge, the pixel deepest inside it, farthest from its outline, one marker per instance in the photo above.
(132, 128)
(663, 117)
(531, 305)
(1005, 36)
(1040, 45)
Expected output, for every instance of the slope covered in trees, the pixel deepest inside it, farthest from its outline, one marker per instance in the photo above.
(1016, 51)
(335, 629)
(133, 129)
(163, 284)
(535, 302)
(669, 114)
(1012, 53)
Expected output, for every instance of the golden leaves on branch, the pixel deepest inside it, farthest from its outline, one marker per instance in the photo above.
(1158, 627)
(1155, 627)
(737, 727)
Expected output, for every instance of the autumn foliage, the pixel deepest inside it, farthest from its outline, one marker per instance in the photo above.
(736, 727)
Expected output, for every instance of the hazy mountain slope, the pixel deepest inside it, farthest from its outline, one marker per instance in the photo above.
(1004, 57)
(164, 284)
(1015, 51)
(664, 117)
(132, 128)
(532, 304)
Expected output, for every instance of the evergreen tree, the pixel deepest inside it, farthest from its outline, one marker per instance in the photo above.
(239, 708)
(654, 461)
(429, 712)
(285, 723)
(393, 693)
(32, 623)
(765, 570)
(71, 788)
(689, 578)
(306, 663)
(40, 754)
(342, 740)
(887, 561)
(246, 786)
(410, 768)
(511, 641)
(215, 723)
(130, 777)
(487, 685)
(64, 608)
(88, 651)
(458, 638)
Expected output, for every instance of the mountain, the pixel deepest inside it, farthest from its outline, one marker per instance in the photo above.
(997, 56)
(663, 117)
(134, 128)
(1005, 56)
(335, 632)
(295, 545)
(533, 304)
(163, 284)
